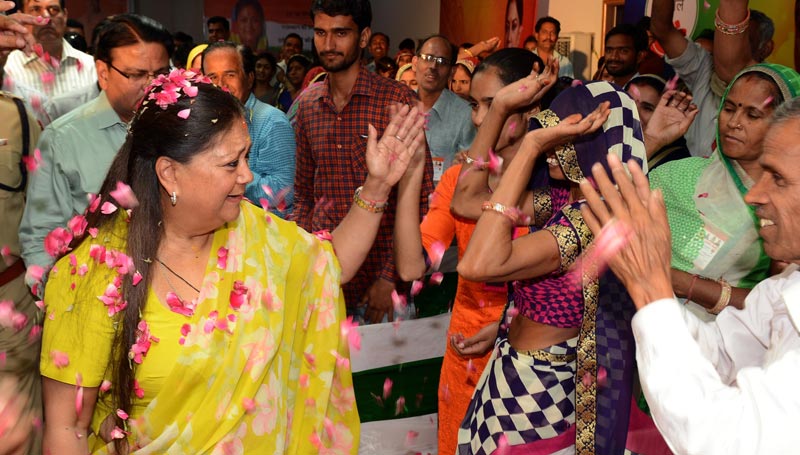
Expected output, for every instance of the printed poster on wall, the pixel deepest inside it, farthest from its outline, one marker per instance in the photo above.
(476, 20)
(263, 24)
(693, 16)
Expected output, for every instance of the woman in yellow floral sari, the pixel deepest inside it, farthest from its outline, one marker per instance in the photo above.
(183, 319)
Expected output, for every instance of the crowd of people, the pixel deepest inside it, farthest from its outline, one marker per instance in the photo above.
(191, 234)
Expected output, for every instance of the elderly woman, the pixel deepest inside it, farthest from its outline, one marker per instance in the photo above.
(717, 256)
(184, 319)
(560, 376)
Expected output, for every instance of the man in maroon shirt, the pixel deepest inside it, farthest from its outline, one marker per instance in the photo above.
(331, 128)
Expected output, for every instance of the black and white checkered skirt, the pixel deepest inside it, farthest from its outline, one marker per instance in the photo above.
(525, 395)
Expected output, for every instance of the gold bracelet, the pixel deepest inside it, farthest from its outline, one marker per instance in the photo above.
(370, 206)
(724, 298)
(468, 52)
(731, 29)
(512, 213)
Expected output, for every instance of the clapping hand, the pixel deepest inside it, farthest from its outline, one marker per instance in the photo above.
(643, 262)
(400, 145)
(567, 129)
(528, 90)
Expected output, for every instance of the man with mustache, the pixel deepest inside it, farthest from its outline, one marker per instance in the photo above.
(626, 46)
(331, 126)
(450, 129)
(547, 30)
(55, 69)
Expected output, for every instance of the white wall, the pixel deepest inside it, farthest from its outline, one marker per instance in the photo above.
(405, 19)
(578, 16)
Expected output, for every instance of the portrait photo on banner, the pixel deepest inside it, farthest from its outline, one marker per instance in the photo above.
(263, 24)
(475, 20)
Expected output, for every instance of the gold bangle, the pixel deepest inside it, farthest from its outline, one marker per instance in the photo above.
(731, 29)
(468, 52)
(724, 298)
(370, 206)
(512, 213)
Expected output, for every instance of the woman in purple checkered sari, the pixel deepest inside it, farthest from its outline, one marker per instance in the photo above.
(560, 376)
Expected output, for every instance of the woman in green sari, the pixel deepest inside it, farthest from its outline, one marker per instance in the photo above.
(717, 256)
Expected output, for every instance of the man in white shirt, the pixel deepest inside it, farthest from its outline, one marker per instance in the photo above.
(55, 69)
(547, 30)
(726, 386)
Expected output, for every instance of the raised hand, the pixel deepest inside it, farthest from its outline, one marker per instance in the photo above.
(643, 263)
(13, 33)
(567, 129)
(528, 90)
(389, 157)
(671, 119)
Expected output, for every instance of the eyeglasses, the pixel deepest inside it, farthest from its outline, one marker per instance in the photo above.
(441, 61)
(38, 10)
(139, 76)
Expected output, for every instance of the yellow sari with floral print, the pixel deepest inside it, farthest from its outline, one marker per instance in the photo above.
(260, 366)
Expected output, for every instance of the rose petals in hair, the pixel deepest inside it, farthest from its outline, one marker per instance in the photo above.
(184, 113)
(94, 202)
(137, 278)
(108, 208)
(190, 91)
(77, 224)
(138, 391)
(117, 433)
(124, 196)
(122, 414)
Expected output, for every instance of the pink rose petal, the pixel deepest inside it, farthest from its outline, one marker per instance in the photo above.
(184, 114)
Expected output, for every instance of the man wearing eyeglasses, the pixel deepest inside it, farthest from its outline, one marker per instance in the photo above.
(56, 69)
(78, 148)
(450, 127)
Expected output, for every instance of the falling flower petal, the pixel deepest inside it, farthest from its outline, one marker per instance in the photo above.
(512, 128)
(138, 391)
(436, 252)
(436, 278)
(399, 405)
(124, 196)
(5, 252)
(398, 302)
(184, 114)
(635, 93)
(767, 101)
(576, 82)
(32, 163)
(349, 331)
(602, 376)
(48, 78)
(105, 386)
(57, 241)
(93, 232)
(137, 278)
(416, 287)
(672, 83)
(502, 445)
(78, 394)
(387, 388)
(706, 5)
(60, 359)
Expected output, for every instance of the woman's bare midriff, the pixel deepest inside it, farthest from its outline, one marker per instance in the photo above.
(527, 335)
